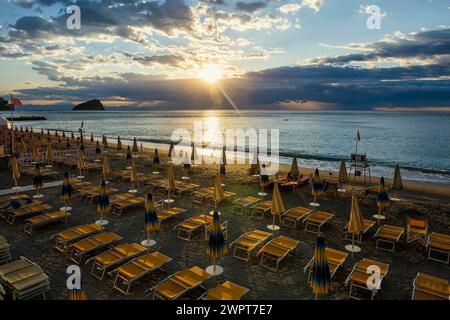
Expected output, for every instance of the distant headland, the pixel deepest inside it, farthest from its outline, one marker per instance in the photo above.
(90, 105)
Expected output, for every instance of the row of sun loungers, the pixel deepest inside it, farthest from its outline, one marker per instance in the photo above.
(34, 208)
(81, 249)
(5, 254)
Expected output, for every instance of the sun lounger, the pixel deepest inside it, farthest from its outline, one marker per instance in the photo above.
(4, 200)
(82, 248)
(95, 193)
(114, 256)
(5, 254)
(249, 179)
(276, 250)
(389, 235)
(183, 187)
(198, 196)
(179, 283)
(417, 230)
(367, 225)
(260, 209)
(226, 194)
(83, 191)
(64, 238)
(14, 205)
(168, 213)
(248, 242)
(427, 287)
(291, 217)
(138, 268)
(241, 204)
(316, 220)
(27, 211)
(120, 197)
(186, 228)
(225, 291)
(439, 243)
(335, 258)
(359, 278)
(44, 219)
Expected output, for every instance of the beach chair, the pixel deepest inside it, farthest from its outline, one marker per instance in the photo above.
(293, 216)
(120, 197)
(90, 196)
(15, 204)
(5, 254)
(27, 211)
(223, 225)
(273, 252)
(199, 196)
(389, 235)
(226, 195)
(335, 258)
(315, 221)
(359, 278)
(259, 209)
(134, 202)
(83, 191)
(168, 213)
(114, 256)
(64, 238)
(179, 283)
(241, 204)
(138, 268)
(427, 287)
(248, 242)
(367, 225)
(225, 291)
(45, 219)
(84, 247)
(186, 228)
(417, 230)
(439, 245)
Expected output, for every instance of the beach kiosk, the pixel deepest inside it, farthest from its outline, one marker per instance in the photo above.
(5, 141)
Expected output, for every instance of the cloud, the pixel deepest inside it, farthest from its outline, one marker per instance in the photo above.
(250, 7)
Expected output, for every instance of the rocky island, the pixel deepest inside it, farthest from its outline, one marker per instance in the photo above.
(90, 105)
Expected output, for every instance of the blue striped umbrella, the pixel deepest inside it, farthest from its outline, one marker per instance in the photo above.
(103, 203)
(152, 223)
(320, 278)
(66, 189)
(156, 158)
(97, 148)
(217, 246)
(129, 153)
(382, 196)
(318, 185)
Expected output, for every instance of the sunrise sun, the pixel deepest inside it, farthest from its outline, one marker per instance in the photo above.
(211, 73)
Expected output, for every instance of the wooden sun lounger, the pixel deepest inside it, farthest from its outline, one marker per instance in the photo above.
(182, 187)
(82, 248)
(293, 216)
(335, 258)
(389, 235)
(138, 268)
(439, 243)
(128, 203)
(367, 225)
(168, 213)
(7, 210)
(359, 278)
(239, 205)
(64, 238)
(316, 220)
(427, 287)
(226, 194)
(27, 211)
(186, 228)
(44, 219)
(248, 242)
(6, 199)
(249, 179)
(120, 197)
(179, 283)
(225, 291)
(198, 196)
(260, 209)
(276, 250)
(114, 256)
(83, 191)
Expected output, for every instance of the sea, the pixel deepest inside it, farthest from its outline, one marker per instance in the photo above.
(418, 141)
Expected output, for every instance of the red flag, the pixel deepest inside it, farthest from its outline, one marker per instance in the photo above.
(16, 102)
(358, 137)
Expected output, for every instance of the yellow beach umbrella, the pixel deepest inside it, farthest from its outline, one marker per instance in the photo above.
(81, 164)
(49, 154)
(106, 168)
(23, 146)
(218, 195)
(134, 177)
(171, 183)
(15, 172)
(277, 206)
(36, 153)
(355, 224)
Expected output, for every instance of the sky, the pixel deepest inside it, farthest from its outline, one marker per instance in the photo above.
(303, 54)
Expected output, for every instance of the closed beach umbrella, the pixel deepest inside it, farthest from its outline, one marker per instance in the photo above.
(277, 205)
(119, 144)
(103, 204)
(254, 168)
(23, 146)
(263, 180)
(92, 138)
(98, 150)
(81, 164)
(15, 171)
(129, 156)
(317, 187)
(383, 200)
(224, 156)
(68, 146)
(397, 183)
(294, 169)
(66, 192)
(151, 221)
(156, 159)
(135, 146)
(217, 246)
(105, 142)
(218, 195)
(320, 277)
(194, 154)
(171, 147)
(106, 168)
(72, 136)
(355, 224)
(186, 163)
(342, 177)
(170, 184)
(36, 153)
(222, 169)
(38, 181)
(134, 177)
(49, 154)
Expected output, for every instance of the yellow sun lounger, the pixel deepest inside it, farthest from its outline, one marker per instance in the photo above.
(114, 256)
(202, 194)
(179, 283)
(120, 197)
(366, 276)
(119, 206)
(241, 204)
(94, 194)
(291, 217)
(439, 243)
(138, 268)
(44, 219)
(260, 209)
(248, 242)
(82, 248)
(27, 211)
(64, 238)
(168, 213)
(389, 235)
(367, 225)
(226, 194)
(186, 228)
(225, 291)
(335, 258)
(428, 287)
(273, 252)
(316, 220)
(7, 210)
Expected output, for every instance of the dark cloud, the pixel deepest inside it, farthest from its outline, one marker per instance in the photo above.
(250, 7)
(168, 59)
(215, 2)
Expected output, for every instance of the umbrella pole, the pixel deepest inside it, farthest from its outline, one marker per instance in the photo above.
(15, 184)
(273, 226)
(214, 265)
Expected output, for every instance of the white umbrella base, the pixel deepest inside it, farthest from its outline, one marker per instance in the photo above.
(222, 184)
(262, 194)
(97, 160)
(395, 199)
(168, 200)
(38, 196)
(128, 168)
(273, 227)
(65, 208)
(341, 190)
(379, 216)
(132, 191)
(155, 172)
(214, 270)
(212, 213)
(352, 248)
(102, 222)
(185, 178)
(16, 188)
(80, 177)
(314, 204)
(148, 243)
(49, 166)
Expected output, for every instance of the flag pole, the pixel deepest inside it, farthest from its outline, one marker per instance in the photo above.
(12, 128)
